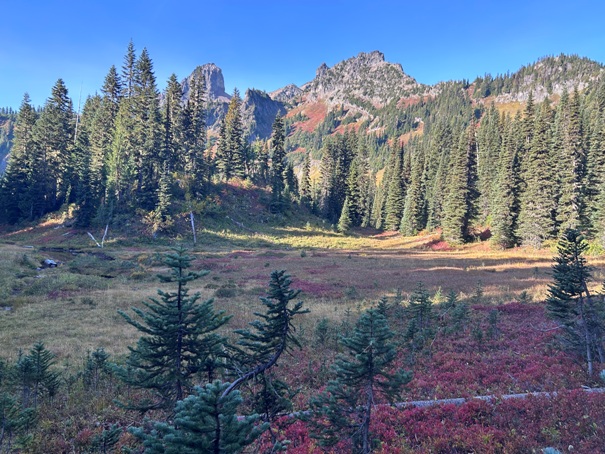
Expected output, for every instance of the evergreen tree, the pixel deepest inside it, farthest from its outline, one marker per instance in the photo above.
(205, 422)
(230, 152)
(147, 133)
(363, 379)
(22, 185)
(101, 134)
(194, 137)
(54, 134)
(337, 155)
(346, 217)
(278, 164)
(273, 334)
(395, 198)
(414, 219)
(305, 181)
(179, 339)
(129, 71)
(460, 207)
(570, 164)
(172, 156)
(35, 376)
(82, 159)
(570, 303)
(436, 186)
(537, 206)
(506, 204)
(488, 150)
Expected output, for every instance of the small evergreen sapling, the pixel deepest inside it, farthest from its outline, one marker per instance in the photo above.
(179, 341)
(363, 379)
(205, 422)
(570, 303)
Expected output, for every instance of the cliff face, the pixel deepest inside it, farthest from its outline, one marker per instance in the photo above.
(214, 82)
(258, 113)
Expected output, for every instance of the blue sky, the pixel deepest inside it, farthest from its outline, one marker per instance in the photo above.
(267, 44)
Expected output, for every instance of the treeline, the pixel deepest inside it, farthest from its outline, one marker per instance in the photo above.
(463, 167)
(131, 150)
(525, 178)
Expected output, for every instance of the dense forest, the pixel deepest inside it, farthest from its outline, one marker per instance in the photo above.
(451, 160)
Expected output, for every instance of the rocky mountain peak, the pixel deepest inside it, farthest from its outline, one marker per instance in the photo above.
(286, 94)
(214, 82)
(367, 77)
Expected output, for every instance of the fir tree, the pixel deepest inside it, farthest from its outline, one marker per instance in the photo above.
(205, 422)
(395, 198)
(129, 71)
(101, 135)
(278, 164)
(413, 219)
(230, 153)
(147, 133)
(488, 150)
(506, 204)
(173, 156)
(460, 207)
(54, 135)
(570, 303)
(363, 379)
(179, 339)
(273, 334)
(305, 181)
(346, 217)
(194, 137)
(570, 164)
(537, 206)
(35, 376)
(22, 185)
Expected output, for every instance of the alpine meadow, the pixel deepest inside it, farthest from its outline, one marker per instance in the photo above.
(360, 264)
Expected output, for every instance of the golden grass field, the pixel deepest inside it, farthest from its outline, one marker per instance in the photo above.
(73, 308)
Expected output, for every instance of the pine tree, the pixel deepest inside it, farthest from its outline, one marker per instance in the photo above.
(537, 207)
(414, 219)
(570, 164)
(363, 379)
(205, 422)
(147, 133)
(346, 217)
(395, 198)
(35, 376)
(278, 164)
(194, 137)
(22, 184)
(53, 133)
(305, 181)
(570, 303)
(179, 339)
(129, 71)
(172, 157)
(230, 154)
(273, 334)
(460, 207)
(506, 200)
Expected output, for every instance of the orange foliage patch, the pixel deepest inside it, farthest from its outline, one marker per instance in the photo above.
(316, 113)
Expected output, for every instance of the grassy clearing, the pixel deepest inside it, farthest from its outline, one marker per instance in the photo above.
(73, 308)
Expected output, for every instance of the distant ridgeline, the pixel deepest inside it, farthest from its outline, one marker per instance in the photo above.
(515, 157)
(7, 124)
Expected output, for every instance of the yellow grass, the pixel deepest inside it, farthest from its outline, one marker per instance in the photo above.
(73, 308)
